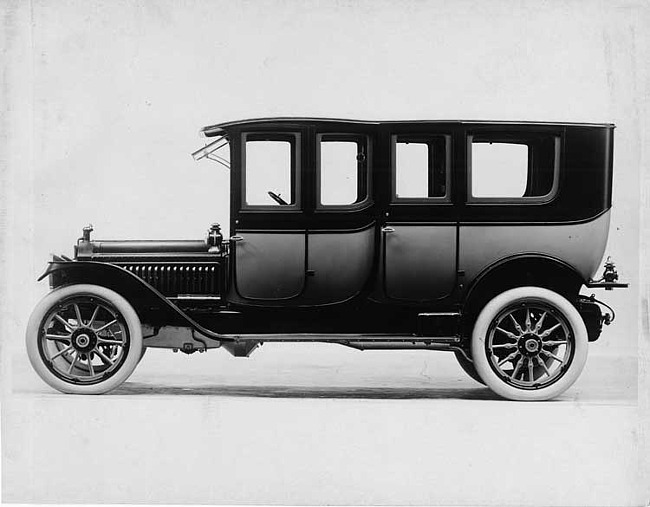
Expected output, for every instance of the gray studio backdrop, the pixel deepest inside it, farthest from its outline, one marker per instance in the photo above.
(105, 99)
(111, 97)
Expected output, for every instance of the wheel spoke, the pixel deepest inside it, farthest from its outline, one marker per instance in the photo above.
(111, 335)
(528, 320)
(540, 322)
(555, 342)
(69, 326)
(78, 314)
(103, 357)
(543, 365)
(90, 364)
(113, 342)
(517, 326)
(510, 335)
(549, 330)
(530, 369)
(72, 363)
(517, 368)
(508, 358)
(61, 352)
(57, 337)
(92, 318)
(553, 356)
(105, 326)
(505, 346)
(113, 332)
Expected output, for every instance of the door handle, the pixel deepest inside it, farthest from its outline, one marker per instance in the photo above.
(387, 229)
(236, 238)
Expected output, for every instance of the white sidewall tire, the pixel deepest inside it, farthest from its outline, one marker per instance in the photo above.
(121, 305)
(144, 350)
(490, 312)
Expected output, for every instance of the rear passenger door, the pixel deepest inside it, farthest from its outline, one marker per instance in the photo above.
(419, 236)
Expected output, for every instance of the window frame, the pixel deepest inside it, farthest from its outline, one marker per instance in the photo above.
(522, 138)
(295, 142)
(358, 138)
(417, 136)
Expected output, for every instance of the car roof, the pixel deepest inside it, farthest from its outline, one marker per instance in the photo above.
(221, 128)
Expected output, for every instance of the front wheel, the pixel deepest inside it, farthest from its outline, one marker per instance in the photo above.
(529, 343)
(84, 339)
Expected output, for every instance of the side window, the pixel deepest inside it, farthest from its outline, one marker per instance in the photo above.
(270, 170)
(513, 167)
(420, 167)
(342, 170)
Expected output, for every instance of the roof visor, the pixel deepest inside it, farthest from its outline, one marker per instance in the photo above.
(209, 151)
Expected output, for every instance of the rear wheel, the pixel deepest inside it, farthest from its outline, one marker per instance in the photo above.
(529, 343)
(84, 339)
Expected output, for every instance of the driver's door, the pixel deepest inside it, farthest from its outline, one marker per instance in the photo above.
(267, 223)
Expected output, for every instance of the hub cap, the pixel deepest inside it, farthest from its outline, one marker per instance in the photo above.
(530, 345)
(83, 340)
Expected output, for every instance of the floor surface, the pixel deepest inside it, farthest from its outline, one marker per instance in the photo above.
(321, 424)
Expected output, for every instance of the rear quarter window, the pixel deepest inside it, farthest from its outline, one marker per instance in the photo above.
(507, 168)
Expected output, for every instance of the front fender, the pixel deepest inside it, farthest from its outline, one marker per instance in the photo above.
(148, 302)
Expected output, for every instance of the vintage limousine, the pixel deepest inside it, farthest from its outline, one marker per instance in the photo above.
(469, 237)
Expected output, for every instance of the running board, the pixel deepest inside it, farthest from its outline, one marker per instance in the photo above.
(439, 327)
(339, 338)
(188, 340)
(244, 345)
(428, 345)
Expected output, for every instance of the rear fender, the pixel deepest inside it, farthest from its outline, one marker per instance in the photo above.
(526, 269)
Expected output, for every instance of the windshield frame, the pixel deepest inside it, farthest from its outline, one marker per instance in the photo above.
(209, 151)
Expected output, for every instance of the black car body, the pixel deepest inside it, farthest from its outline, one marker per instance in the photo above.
(390, 235)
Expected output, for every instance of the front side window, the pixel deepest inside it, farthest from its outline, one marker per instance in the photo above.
(420, 167)
(342, 170)
(269, 170)
(513, 167)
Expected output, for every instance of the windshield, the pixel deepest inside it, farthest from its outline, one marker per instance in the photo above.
(217, 151)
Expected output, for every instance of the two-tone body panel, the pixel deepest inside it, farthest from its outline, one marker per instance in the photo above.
(421, 241)
(579, 244)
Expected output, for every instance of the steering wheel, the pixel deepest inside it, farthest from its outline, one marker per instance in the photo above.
(277, 198)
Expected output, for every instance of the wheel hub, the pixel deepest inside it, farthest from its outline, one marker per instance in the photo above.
(84, 340)
(529, 345)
